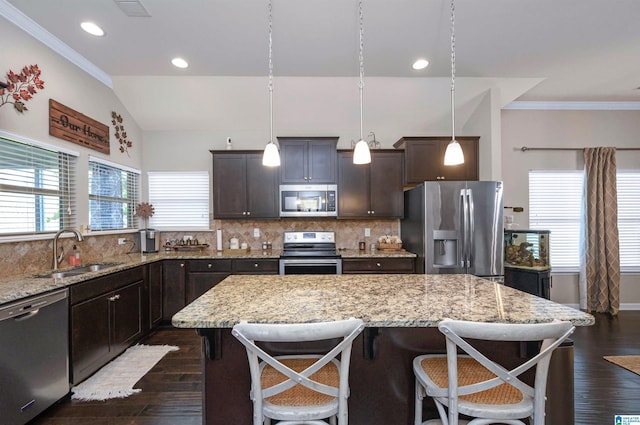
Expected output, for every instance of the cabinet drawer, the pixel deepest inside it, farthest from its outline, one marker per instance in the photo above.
(251, 266)
(378, 265)
(101, 285)
(209, 265)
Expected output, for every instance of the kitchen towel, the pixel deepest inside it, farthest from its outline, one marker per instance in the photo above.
(219, 239)
(116, 379)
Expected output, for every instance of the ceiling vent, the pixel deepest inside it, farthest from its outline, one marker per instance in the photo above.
(132, 8)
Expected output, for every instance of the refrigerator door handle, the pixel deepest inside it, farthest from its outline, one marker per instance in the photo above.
(465, 227)
(470, 241)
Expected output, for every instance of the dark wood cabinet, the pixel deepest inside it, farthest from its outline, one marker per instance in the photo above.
(105, 318)
(379, 265)
(154, 285)
(255, 266)
(173, 287)
(310, 160)
(243, 187)
(371, 190)
(424, 159)
(203, 275)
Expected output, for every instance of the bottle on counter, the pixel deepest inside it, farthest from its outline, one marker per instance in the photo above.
(74, 257)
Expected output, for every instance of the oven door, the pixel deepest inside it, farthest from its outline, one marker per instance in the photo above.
(310, 265)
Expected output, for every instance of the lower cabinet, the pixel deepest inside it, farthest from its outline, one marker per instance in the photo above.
(378, 265)
(105, 318)
(203, 275)
(154, 282)
(173, 287)
(185, 280)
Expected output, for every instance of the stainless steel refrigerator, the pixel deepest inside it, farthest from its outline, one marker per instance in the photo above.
(455, 227)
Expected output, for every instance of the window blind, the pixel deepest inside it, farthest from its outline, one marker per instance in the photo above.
(113, 194)
(629, 219)
(37, 187)
(180, 200)
(555, 203)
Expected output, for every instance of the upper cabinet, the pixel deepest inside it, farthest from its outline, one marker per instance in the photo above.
(243, 187)
(371, 190)
(424, 159)
(308, 160)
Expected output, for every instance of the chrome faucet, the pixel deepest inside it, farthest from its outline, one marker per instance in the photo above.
(57, 259)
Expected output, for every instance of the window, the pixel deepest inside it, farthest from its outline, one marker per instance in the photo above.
(555, 203)
(37, 187)
(180, 200)
(113, 195)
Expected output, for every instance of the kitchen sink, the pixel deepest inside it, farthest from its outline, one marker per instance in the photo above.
(80, 270)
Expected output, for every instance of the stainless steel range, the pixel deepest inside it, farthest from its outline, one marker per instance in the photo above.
(310, 253)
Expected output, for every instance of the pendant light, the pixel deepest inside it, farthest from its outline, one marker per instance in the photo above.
(453, 155)
(361, 153)
(271, 156)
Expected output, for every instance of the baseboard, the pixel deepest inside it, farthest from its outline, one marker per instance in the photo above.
(623, 306)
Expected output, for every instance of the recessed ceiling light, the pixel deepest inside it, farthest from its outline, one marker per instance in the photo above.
(420, 64)
(179, 63)
(92, 29)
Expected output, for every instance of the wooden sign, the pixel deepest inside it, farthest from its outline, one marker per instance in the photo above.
(70, 125)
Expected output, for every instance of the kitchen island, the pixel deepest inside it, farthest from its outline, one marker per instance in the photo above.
(400, 312)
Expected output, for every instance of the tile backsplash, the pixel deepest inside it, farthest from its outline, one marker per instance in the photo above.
(19, 258)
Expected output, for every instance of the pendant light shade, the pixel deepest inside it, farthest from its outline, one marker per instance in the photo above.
(271, 156)
(453, 155)
(361, 153)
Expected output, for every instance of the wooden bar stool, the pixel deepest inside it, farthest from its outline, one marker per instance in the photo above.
(475, 386)
(299, 389)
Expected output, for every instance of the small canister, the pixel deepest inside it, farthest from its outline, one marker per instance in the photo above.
(361, 246)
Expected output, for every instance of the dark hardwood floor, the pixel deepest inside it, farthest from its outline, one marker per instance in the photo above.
(171, 391)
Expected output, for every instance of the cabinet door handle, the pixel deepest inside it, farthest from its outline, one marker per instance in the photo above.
(209, 265)
(248, 212)
(244, 213)
(114, 298)
(256, 265)
(373, 212)
(378, 264)
(181, 264)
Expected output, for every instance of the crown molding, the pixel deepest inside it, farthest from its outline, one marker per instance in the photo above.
(574, 106)
(22, 21)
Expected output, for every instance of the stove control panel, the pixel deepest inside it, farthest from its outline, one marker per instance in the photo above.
(327, 237)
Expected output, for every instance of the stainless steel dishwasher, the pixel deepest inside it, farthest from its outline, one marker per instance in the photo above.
(34, 355)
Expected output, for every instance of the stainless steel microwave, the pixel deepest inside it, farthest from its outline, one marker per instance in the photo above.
(308, 200)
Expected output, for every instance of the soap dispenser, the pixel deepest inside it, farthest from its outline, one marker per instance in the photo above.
(74, 257)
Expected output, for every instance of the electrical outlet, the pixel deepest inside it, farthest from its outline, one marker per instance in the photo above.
(122, 241)
(256, 232)
(367, 231)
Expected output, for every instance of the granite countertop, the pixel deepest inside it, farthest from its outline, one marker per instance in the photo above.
(355, 253)
(402, 300)
(14, 288)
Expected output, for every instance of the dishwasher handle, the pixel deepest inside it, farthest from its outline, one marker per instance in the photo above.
(26, 316)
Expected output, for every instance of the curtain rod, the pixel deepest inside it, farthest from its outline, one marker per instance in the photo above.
(524, 149)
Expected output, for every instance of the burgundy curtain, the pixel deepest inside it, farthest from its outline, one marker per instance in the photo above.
(600, 268)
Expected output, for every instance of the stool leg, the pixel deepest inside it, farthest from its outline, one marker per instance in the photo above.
(419, 396)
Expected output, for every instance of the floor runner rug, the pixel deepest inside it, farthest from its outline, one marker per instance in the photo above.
(631, 363)
(117, 378)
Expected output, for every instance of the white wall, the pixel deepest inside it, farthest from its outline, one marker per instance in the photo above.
(565, 129)
(67, 84)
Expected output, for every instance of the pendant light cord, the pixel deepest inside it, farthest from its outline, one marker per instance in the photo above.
(453, 71)
(270, 72)
(361, 57)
